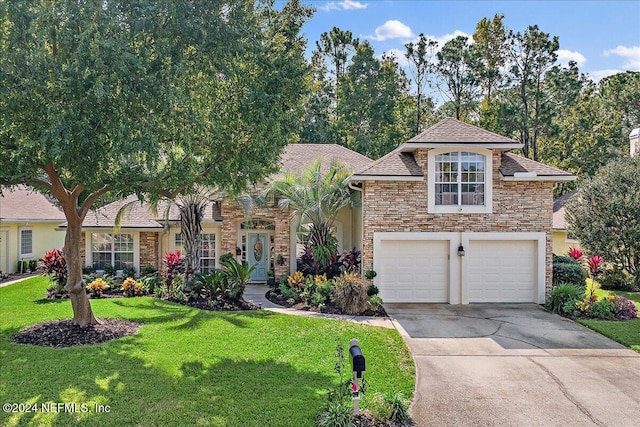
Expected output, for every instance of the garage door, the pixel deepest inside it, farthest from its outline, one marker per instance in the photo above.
(413, 271)
(501, 271)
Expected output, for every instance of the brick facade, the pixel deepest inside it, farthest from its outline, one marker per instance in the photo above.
(401, 206)
(149, 250)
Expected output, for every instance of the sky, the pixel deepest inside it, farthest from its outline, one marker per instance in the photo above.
(603, 37)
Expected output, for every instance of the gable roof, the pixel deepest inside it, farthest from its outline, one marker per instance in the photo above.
(395, 165)
(294, 158)
(22, 204)
(514, 167)
(297, 157)
(451, 131)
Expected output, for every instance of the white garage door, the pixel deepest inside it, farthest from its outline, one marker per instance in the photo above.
(413, 271)
(501, 270)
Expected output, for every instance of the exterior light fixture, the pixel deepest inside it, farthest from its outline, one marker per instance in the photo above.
(460, 250)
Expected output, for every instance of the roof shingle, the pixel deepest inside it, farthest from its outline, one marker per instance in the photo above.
(512, 163)
(450, 130)
(23, 203)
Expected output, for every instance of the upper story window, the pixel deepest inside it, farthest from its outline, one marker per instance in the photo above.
(460, 181)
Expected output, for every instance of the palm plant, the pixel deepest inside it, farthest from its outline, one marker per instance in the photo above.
(315, 196)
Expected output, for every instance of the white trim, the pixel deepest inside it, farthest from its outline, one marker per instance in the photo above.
(361, 178)
(459, 146)
(453, 238)
(539, 237)
(539, 178)
(88, 248)
(464, 209)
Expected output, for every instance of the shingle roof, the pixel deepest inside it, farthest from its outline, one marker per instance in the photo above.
(450, 130)
(559, 221)
(512, 163)
(23, 203)
(396, 163)
(296, 157)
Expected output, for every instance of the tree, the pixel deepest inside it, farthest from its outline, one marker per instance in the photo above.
(458, 65)
(337, 45)
(531, 54)
(490, 40)
(420, 56)
(605, 215)
(315, 196)
(144, 97)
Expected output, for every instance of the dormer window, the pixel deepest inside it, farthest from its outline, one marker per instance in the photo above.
(460, 181)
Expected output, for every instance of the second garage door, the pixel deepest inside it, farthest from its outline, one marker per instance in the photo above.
(414, 271)
(501, 271)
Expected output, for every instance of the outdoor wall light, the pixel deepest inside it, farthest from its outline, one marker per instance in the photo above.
(460, 251)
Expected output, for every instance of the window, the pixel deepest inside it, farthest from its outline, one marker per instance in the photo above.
(207, 250)
(26, 243)
(111, 250)
(460, 181)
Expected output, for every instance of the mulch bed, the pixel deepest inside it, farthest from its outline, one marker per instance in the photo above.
(280, 299)
(366, 420)
(65, 333)
(217, 305)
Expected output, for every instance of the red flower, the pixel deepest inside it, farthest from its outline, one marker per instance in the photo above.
(575, 253)
(594, 264)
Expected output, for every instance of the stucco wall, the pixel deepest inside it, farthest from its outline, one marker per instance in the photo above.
(45, 238)
(401, 206)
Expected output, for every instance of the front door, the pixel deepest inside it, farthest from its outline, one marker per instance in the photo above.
(4, 253)
(258, 255)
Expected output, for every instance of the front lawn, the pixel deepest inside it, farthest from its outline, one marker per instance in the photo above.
(627, 332)
(185, 366)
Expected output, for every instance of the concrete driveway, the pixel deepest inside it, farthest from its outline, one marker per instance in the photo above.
(515, 365)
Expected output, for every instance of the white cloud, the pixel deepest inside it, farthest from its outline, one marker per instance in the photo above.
(597, 75)
(564, 56)
(392, 30)
(343, 5)
(630, 54)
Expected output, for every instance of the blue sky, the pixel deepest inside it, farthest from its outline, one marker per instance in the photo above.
(603, 37)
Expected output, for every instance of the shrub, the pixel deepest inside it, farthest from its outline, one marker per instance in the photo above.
(570, 273)
(129, 272)
(296, 281)
(370, 274)
(33, 264)
(88, 270)
(238, 275)
(602, 309)
(379, 407)
(131, 288)
(55, 266)
(150, 282)
(148, 270)
(614, 278)
(226, 257)
(110, 270)
(561, 295)
(97, 287)
(286, 290)
(349, 294)
(624, 309)
(337, 414)
(173, 265)
(375, 301)
(317, 298)
(562, 259)
(399, 407)
(372, 290)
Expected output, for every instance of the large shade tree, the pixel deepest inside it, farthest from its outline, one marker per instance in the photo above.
(605, 214)
(143, 96)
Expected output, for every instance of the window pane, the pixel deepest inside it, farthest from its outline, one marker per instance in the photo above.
(100, 242)
(178, 242)
(446, 194)
(207, 252)
(26, 242)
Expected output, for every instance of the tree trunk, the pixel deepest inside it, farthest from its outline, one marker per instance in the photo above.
(82, 313)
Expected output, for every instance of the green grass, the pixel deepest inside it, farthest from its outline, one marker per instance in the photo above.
(186, 366)
(626, 332)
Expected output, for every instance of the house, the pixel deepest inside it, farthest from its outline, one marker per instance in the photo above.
(562, 241)
(267, 237)
(453, 216)
(28, 221)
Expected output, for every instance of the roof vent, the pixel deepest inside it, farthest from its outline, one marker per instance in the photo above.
(525, 174)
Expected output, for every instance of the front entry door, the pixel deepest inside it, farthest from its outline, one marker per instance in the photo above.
(257, 255)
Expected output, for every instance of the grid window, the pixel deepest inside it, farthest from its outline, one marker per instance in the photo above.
(460, 179)
(112, 250)
(207, 250)
(26, 243)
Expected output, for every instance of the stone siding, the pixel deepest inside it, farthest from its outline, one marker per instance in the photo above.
(149, 247)
(401, 206)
